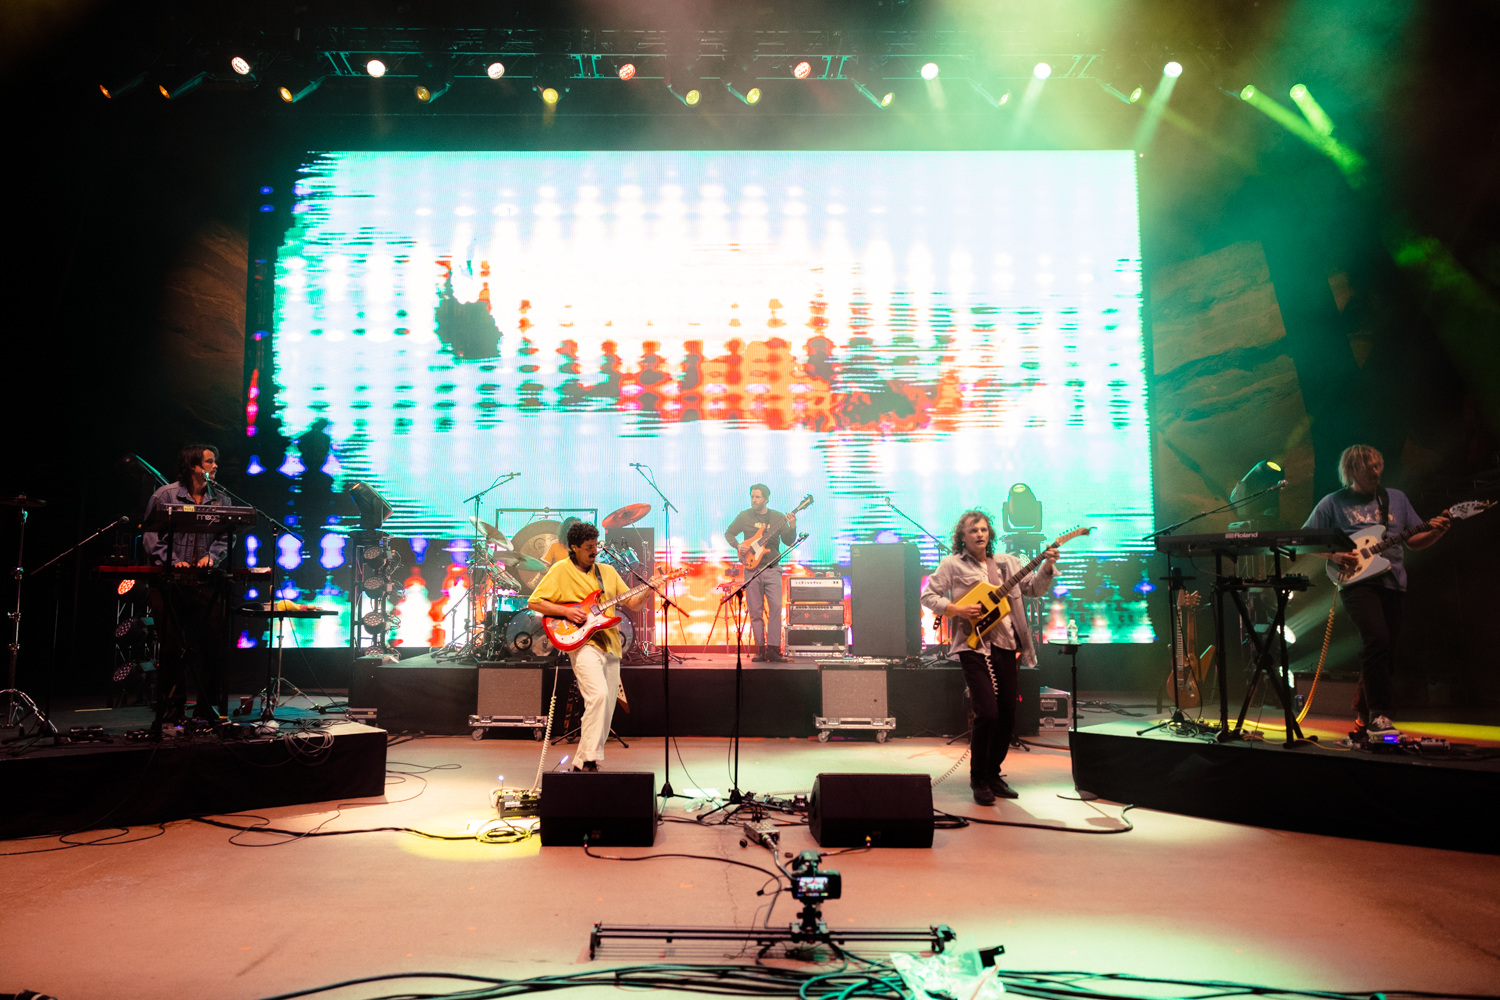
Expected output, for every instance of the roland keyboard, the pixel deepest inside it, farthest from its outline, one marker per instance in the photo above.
(1284, 541)
(250, 572)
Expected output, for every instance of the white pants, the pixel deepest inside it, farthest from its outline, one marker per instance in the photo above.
(598, 677)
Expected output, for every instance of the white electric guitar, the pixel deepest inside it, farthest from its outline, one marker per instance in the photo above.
(1370, 542)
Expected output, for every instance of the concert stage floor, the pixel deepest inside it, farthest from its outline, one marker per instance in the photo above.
(189, 913)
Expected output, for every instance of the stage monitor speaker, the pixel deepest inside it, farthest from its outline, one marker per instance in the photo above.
(364, 688)
(884, 587)
(614, 809)
(890, 810)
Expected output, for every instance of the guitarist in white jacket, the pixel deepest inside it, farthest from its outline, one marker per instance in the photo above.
(990, 669)
(1374, 604)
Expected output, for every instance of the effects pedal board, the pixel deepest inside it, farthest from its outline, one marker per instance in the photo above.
(762, 832)
(513, 802)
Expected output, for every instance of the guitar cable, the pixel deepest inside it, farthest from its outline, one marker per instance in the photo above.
(546, 732)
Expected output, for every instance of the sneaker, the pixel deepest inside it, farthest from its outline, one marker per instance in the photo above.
(1383, 729)
(983, 795)
(1000, 788)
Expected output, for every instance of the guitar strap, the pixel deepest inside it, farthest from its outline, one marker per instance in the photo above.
(1384, 499)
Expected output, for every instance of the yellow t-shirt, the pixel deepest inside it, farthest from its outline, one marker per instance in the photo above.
(565, 583)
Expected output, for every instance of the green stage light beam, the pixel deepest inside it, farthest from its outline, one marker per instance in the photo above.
(1312, 110)
(1146, 130)
(1350, 163)
(1029, 99)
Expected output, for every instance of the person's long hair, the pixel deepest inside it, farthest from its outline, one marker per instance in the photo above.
(188, 459)
(963, 523)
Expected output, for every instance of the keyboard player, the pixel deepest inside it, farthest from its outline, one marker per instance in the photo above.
(190, 608)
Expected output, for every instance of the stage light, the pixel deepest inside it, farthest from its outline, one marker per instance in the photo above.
(991, 90)
(1312, 110)
(930, 71)
(1248, 92)
(1172, 69)
(549, 96)
(427, 94)
(626, 71)
(294, 93)
(495, 70)
(435, 80)
(375, 68)
(190, 84)
(1262, 476)
(120, 90)
(803, 70)
(739, 80)
(1041, 71)
(1022, 511)
(1135, 95)
(550, 75)
(240, 65)
(868, 80)
(373, 509)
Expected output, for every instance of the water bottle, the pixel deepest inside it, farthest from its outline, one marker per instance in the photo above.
(1072, 632)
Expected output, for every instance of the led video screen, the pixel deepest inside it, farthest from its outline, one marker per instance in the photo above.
(888, 333)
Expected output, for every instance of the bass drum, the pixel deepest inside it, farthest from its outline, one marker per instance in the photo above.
(525, 638)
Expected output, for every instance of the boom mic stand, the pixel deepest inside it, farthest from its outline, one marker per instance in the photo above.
(666, 512)
(474, 604)
(738, 594)
(16, 698)
(666, 665)
(942, 547)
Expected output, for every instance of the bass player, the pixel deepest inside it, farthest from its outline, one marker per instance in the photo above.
(596, 664)
(990, 669)
(1374, 605)
(772, 529)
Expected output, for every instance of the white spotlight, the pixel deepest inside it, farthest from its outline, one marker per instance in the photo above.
(930, 71)
(375, 68)
(1041, 71)
(240, 65)
(1172, 69)
(495, 70)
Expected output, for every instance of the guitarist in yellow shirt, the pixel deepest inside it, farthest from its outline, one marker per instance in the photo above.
(596, 664)
(990, 666)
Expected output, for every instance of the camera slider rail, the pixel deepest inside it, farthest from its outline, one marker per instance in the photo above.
(810, 930)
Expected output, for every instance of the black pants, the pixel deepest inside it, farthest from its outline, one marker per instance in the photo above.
(1376, 612)
(994, 711)
(191, 622)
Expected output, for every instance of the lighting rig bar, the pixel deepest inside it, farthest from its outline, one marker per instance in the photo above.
(736, 58)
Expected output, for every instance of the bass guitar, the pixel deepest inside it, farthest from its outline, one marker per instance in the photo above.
(1371, 541)
(753, 549)
(569, 635)
(1189, 669)
(992, 596)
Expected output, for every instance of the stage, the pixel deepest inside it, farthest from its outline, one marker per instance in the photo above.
(1322, 787)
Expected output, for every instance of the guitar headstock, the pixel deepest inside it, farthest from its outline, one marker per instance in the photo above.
(807, 502)
(1075, 533)
(1187, 600)
(1468, 508)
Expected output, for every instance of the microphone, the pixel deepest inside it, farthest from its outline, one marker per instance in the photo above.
(1281, 485)
(124, 519)
(637, 465)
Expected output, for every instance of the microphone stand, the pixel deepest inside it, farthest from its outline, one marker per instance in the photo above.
(118, 522)
(738, 594)
(268, 704)
(500, 480)
(666, 512)
(666, 663)
(942, 547)
(1217, 510)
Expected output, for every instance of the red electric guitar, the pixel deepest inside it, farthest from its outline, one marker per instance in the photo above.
(568, 635)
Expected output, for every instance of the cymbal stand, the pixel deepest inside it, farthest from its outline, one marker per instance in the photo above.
(738, 594)
(18, 703)
(476, 604)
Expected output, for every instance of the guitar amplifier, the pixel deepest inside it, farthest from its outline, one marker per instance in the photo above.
(815, 588)
(808, 613)
(816, 640)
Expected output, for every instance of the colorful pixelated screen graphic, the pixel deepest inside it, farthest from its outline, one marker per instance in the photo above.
(914, 330)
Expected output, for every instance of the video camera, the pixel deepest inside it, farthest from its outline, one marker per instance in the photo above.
(811, 884)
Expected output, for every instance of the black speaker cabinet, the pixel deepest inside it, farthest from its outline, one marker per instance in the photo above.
(884, 590)
(892, 810)
(608, 809)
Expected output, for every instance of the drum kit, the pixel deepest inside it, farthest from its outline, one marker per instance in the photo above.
(503, 570)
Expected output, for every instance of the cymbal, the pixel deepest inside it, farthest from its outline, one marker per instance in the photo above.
(520, 561)
(562, 530)
(628, 514)
(491, 532)
(23, 501)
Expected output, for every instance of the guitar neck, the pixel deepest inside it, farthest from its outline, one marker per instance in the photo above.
(642, 588)
(1395, 540)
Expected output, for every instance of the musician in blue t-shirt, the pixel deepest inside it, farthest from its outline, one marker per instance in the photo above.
(1373, 604)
